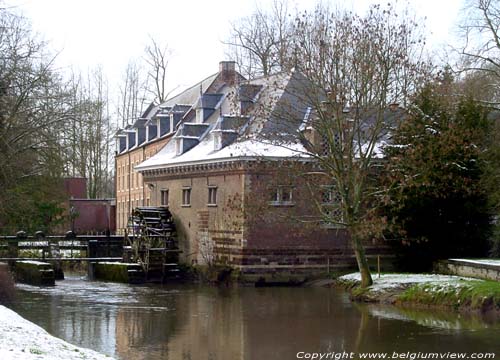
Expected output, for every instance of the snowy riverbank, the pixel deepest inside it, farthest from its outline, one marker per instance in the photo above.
(21, 339)
(455, 292)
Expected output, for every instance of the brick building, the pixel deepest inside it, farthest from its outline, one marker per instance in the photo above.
(212, 155)
(235, 193)
(138, 142)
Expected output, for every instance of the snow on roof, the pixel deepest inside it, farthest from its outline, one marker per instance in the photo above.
(248, 149)
(21, 339)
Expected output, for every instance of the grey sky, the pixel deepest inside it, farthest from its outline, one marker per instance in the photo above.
(110, 32)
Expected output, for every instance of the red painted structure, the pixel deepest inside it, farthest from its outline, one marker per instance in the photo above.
(91, 216)
(76, 188)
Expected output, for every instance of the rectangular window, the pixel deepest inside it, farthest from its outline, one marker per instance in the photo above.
(138, 178)
(186, 197)
(212, 196)
(281, 195)
(331, 144)
(331, 206)
(164, 197)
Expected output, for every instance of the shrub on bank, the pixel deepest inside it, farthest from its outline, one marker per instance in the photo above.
(7, 289)
(470, 295)
(432, 290)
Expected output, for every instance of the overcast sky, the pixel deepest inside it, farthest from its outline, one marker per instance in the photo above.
(110, 32)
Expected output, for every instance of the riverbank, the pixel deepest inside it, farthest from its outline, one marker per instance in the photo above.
(426, 290)
(21, 339)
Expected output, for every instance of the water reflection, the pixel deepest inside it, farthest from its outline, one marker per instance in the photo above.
(437, 318)
(188, 322)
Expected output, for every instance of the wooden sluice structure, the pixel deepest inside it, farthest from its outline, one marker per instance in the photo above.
(68, 247)
(148, 252)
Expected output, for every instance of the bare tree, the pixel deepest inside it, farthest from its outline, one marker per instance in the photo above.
(31, 101)
(259, 43)
(132, 93)
(89, 134)
(157, 58)
(480, 50)
(33, 114)
(353, 70)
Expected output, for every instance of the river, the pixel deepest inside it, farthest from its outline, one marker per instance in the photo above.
(187, 322)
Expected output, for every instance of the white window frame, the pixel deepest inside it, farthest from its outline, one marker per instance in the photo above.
(212, 196)
(186, 197)
(331, 205)
(277, 195)
(164, 191)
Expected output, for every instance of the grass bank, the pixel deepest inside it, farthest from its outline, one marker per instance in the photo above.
(427, 290)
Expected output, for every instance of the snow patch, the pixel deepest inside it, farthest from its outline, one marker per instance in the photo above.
(21, 339)
(392, 281)
(32, 262)
(493, 262)
(117, 263)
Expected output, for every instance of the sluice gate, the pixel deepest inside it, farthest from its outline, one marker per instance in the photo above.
(147, 252)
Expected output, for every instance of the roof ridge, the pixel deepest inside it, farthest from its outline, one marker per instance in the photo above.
(193, 86)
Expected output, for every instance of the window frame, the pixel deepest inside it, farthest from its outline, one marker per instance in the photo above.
(277, 195)
(212, 190)
(332, 204)
(162, 192)
(184, 191)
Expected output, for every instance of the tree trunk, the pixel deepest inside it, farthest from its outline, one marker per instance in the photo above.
(364, 269)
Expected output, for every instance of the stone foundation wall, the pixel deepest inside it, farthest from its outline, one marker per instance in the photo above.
(469, 269)
(34, 273)
(303, 260)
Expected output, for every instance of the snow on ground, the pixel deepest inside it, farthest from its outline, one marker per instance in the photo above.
(33, 262)
(392, 281)
(21, 339)
(494, 262)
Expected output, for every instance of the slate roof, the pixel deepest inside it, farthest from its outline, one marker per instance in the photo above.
(183, 100)
(270, 98)
(252, 119)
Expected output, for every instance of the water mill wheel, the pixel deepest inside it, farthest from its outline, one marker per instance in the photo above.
(152, 242)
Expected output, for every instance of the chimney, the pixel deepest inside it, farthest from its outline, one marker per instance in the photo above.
(394, 106)
(227, 70)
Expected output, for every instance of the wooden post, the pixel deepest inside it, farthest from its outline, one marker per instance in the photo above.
(108, 247)
(378, 265)
(70, 235)
(14, 244)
